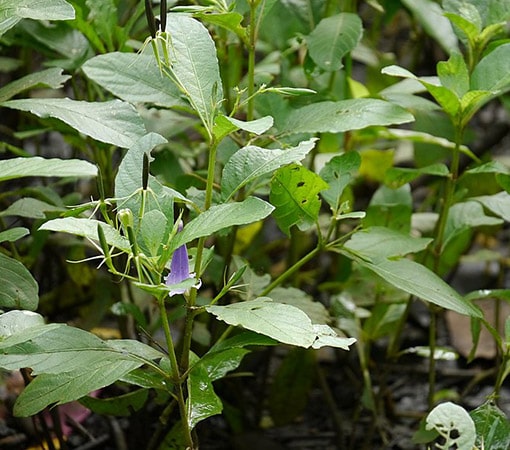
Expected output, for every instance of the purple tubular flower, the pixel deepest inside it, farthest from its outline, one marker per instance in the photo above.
(179, 270)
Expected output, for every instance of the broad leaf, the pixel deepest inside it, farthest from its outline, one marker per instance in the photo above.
(202, 401)
(194, 65)
(51, 78)
(498, 204)
(113, 122)
(19, 289)
(119, 72)
(88, 229)
(295, 195)
(222, 216)
(454, 74)
(13, 234)
(492, 73)
(12, 11)
(285, 323)
(345, 115)
(378, 243)
(251, 162)
(492, 427)
(419, 281)
(453, 423)
(430, 15)
(30, 207)
(396, 177)
(338, 173)
(17, 321)
(69, 363)
(333, 38)
(39, 167)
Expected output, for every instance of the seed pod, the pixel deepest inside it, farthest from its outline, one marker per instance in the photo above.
(162, 15)
(145, 172)
(151, 21)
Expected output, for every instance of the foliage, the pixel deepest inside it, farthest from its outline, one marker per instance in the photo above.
(212, 137)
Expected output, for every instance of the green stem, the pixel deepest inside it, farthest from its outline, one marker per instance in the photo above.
(251, 60)
(432, 359)
(176, 377)
(291, 270)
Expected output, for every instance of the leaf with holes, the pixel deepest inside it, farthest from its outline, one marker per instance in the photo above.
(295, 195)
(454, 425)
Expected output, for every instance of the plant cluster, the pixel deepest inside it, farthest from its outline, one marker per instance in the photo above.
(244, 174)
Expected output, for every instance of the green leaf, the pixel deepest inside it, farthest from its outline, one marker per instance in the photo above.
(19, 289)
(453, 423)
(419, 281)
(218, 363)
(36, 166)
(383, 320)
(338, 173)
(13, 234)
(295, 195)
(119, 72)
(222, 216)
(430, 15)
(128, 182)
(316, 311)
(51, 78)
(333, 38)
(121, 405)
(103, 18)
(113, 122)
(31, 208)
(285, 323)
(498, 204)
(492, 73)
(257, 126)
(251, 162)
(344, 115)
(466, 216)
(377, 243)
(87, 228)
(17, 321)
(396, 177)
(202, 401)
(290, 389)
(454, 74)
(390, 208)
(12, 11)
(231, 21)
(194, 66)
(90, 363)
(492, 427)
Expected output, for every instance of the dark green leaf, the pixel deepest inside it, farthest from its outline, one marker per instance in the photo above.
(19, 289)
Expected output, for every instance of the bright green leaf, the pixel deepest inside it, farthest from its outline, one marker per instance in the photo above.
(454, 74)
(338, 173)
(295, 195)
(492, 73)
(492, 427)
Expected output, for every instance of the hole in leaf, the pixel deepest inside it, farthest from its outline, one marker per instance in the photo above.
(301, 183)
(304, 201)
(454, 434)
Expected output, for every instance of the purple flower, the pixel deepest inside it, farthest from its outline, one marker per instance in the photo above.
(179, 271)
